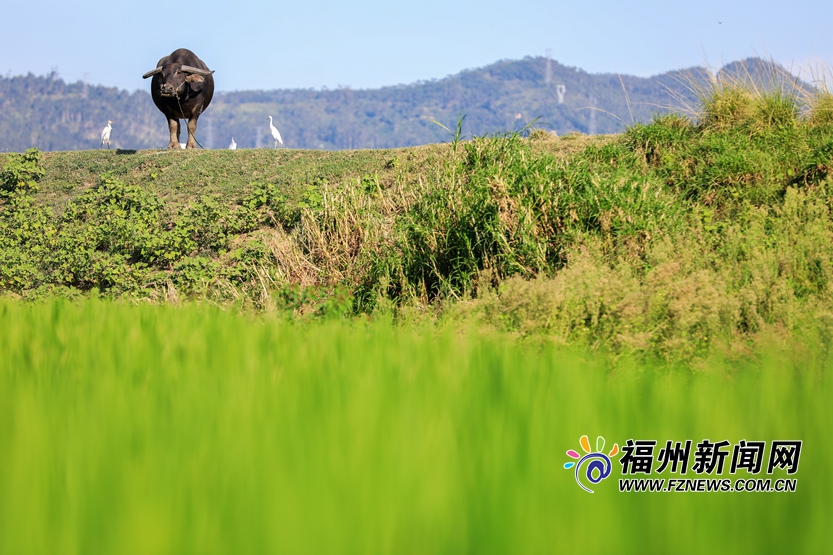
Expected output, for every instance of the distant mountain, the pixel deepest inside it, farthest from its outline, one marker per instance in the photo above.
(46, 112)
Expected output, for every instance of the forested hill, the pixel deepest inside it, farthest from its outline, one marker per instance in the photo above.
(46, 112)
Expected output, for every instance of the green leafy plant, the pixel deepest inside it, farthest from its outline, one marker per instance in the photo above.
(21, 173)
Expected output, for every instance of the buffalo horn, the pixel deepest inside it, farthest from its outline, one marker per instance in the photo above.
(198, 71)
(152, 72)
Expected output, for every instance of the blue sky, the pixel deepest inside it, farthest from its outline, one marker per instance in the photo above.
(368, 44)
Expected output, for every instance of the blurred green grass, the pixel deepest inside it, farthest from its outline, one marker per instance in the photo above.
(163, 429)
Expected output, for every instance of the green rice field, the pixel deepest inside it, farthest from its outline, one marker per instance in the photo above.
(189, 429)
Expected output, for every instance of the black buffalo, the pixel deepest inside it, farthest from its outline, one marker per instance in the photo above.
(182, 88)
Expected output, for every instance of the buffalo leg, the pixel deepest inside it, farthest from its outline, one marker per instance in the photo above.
(173, 125)
(192, 132)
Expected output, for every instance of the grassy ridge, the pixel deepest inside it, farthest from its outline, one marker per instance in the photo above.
(143, 429)
(184, 176)
(671, 240)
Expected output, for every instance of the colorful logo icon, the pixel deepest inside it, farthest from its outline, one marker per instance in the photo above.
(599, 465)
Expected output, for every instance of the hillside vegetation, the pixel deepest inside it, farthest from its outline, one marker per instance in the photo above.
(47, 113)
(675, 239)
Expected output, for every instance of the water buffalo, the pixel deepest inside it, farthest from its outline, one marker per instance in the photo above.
(182, 88)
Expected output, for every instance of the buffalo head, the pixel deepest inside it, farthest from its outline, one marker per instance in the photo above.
(174, 77)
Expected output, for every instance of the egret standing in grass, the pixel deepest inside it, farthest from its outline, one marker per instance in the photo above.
(275, 133)
(233, 145)
(105, 134)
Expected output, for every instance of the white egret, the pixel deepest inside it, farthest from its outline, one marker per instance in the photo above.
(105, 134)
(233, 145)
(275, 133)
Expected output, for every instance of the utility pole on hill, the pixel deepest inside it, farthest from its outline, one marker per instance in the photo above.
(548, 69)
(591, 130)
